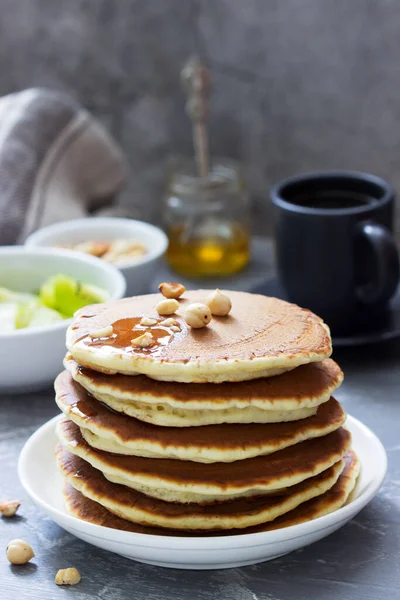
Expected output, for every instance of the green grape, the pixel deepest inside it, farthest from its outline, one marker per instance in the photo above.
(66, 295)
(59, 298)
(47, 294)
(24, 313)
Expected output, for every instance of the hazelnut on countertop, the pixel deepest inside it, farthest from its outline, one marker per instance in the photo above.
(70, 576)
(19, 552)
(9, 508)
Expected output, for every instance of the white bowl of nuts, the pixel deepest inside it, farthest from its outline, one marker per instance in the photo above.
(134, 247)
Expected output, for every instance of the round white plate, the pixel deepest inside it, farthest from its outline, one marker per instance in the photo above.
(39, 475)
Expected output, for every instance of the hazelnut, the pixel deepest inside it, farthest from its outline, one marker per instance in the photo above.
(102, 333)
(219, 304)
(94, 248)
(167, 307)
(70, 576)
(122, 251)
(143, 341)
(171, 290)
(9, 508)
(169, 322)
(148, 321)
(197, 315)
(19, 552)
(175, 328)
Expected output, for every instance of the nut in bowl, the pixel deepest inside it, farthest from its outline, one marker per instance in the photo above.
(134, 247)
(33, 348)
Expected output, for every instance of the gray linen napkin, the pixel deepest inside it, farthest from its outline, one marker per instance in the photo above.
(56, 163)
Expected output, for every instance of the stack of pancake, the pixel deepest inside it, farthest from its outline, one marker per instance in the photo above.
(227, 429)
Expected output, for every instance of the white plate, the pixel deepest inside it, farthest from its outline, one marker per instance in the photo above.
(39, 476)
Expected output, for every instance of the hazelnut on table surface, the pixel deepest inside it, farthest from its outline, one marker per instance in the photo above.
(9, 507)
(197, 315)
(70, 576)
(19, 552)
(169, 289)
(167, 307)
(219, 303)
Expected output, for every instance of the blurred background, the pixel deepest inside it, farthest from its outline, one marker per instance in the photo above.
(297, 85)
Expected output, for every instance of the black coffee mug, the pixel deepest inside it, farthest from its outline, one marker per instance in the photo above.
(334, 246)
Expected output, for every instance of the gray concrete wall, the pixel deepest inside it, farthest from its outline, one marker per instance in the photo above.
(298, 84)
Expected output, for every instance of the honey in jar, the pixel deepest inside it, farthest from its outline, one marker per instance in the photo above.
(207, 220)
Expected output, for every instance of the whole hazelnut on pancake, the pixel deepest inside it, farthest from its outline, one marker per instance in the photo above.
(170, 289)
(167, 307)
(197, 315)
(219, 304)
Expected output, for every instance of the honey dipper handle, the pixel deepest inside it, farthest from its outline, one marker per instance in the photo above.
(196, 81)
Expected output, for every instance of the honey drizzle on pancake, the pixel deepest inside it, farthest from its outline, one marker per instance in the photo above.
(125, 330)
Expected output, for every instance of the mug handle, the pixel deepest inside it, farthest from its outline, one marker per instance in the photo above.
(382, 276)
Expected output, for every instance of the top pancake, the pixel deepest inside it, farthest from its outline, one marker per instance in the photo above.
(260, 337)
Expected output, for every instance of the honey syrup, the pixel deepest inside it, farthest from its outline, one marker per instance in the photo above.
(202, 253)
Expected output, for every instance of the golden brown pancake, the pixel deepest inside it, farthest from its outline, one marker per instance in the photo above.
(262, 473)
(139, 508)
(113, 432)
(289, 397)
(260, 337)
(300, 388)
(83, 508)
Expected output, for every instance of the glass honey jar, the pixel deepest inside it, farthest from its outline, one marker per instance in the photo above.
(207, 219)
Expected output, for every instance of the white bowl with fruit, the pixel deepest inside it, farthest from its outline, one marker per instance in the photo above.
(40, 289)
(134, 247)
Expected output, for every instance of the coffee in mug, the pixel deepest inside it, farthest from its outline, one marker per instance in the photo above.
(335, 251)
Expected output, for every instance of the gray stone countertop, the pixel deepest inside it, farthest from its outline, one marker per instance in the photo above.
(360, 561)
